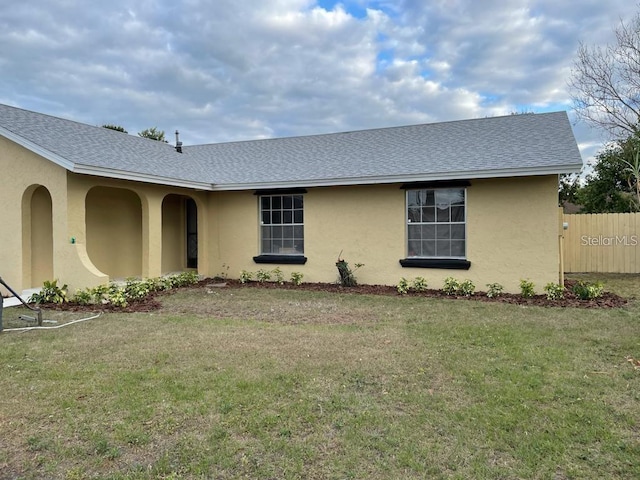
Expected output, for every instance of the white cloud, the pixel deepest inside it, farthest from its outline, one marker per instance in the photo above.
(220, 70)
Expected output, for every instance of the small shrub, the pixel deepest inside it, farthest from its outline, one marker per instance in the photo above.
(587, 290)
(451, 286)
(467, 288)
(403, 286)
(263, 275)
(245, 276)
(419, 284)
(118, 298)
(494, 290)
(50, 293)
(84, 296)
(278, 275)
(296, 278)
(347, 277)
(554, 291)
(526, 289)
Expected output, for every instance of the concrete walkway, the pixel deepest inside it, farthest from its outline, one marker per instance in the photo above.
(13, 301)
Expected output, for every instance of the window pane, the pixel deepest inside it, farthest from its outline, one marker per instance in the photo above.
(443, 248)
(297, 216)
(443, 232)
(298, 232)
(276, 217)
(276, 203)
(457, 232)
(287, 232)
(287, 202)
(265, 203)
(276, 232)
(414, 248)
(428, 232)
(266, 232)
(442, 214)
(430, 197)
(457, 248)
(415, 232)
(299, 246)
(297, 201)
(266, 246)
(428, 214)
(412, 198)
(457, 197)
(428, 248)
(414, 214)
(266, 217)
(287, 216)
(457, 214)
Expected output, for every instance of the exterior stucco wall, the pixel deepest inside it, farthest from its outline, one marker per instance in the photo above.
(114, 231)
(158, 223)
(23, 174)
(173, 234)
(512, 233)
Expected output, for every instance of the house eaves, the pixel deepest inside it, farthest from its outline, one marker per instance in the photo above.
(388, 179)
(139, 177)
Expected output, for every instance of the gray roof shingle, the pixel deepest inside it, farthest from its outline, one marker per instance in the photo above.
(513, 145)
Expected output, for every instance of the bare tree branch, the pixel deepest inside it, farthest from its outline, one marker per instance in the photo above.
(605, 82)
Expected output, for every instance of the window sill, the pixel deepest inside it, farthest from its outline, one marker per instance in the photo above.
(281, 259)
(445, 263)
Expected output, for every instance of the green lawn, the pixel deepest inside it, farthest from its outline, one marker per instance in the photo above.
(275, 384)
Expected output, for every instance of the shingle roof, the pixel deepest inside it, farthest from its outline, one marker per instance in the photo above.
(514, 145)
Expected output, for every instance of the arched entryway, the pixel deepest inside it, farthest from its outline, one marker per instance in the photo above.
(179, 233)
(114, 231)
(37, 236)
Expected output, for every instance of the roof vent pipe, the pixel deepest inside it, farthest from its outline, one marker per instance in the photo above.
(178, 142)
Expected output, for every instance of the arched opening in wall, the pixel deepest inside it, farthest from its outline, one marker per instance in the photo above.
(114, 231)
(179, 233)
(37, 236)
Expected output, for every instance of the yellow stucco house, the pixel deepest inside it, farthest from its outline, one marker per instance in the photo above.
(472, 199)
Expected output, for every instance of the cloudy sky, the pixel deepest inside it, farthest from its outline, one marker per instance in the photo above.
(224, 70)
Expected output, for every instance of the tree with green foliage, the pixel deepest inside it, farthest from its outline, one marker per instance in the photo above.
(612, 187)
(153, 133)
(117, 128)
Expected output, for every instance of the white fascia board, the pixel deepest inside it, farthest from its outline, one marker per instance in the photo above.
(37, 149)
(139, 177)
(386, 179)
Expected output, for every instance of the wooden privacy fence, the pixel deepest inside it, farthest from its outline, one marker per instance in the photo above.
(602, 242)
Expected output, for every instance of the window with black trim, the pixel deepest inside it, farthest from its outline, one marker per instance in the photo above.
(282, 224)
(436, 223)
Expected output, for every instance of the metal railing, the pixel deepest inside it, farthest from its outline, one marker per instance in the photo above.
(37, 310)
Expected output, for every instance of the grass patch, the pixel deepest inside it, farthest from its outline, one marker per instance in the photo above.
(252, 383)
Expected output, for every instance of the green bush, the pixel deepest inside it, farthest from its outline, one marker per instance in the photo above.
(245, 276)
(494, 290)
(451, 286)
(50, 293)
(296, 278)
(467, 288)
(278, 275)
(554, 291)
(346, 274)
(403, 286)
(526, 289)
(263, 275)
(587, 290)
(419, 284)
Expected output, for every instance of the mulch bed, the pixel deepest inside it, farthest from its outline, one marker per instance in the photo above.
(151, 303)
